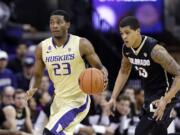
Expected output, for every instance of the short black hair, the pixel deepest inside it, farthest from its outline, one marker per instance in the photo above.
(63, 13)
(130, 21)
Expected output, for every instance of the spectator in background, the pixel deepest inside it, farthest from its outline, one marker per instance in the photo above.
(7, 112)
(96, 120)
(23, 78)
(15, 64)
(130, 93)
(22, 112)
(43, 99)
(10, 132)
(6, 76)
(45, 84)
(31, 50)
(7, 96)
(120, 122)
(33, 110)
(43, 102)
(42, 120)
(139, 100)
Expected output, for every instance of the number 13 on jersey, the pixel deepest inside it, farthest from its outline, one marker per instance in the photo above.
(142, 71)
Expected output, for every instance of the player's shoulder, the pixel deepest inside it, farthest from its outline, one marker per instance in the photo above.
(74, 36)
(46, 41)
(151, 40)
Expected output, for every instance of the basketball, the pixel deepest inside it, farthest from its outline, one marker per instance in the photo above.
(91, 81)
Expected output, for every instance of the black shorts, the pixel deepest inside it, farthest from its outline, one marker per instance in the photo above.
(148, 124)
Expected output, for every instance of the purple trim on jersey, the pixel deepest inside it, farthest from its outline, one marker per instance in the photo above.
(69, 116)
(66, 40)
(61, 133)
(64, 43)
(53, 43)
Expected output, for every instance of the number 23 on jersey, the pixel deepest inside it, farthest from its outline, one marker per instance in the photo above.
(61, 69)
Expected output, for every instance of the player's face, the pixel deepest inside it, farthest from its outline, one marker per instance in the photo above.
(58, 26)
(129, 35)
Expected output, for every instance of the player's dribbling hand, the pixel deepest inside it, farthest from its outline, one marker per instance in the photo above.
(30, 93)
(159, 112)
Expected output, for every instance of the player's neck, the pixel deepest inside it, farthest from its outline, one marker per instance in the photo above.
(59, 41)
(138, 42)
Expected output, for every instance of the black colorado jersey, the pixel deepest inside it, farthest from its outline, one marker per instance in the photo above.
(155, 79)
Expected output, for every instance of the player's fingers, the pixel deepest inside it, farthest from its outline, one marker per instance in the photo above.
(159, 115)
(155, 114)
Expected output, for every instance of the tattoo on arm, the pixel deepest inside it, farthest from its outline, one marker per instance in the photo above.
(125, 65)
(160, 55)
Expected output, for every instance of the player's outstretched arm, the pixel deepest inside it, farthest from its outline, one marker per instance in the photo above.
(122, 77)
(38, 72)
(160, 55)
(87, 51)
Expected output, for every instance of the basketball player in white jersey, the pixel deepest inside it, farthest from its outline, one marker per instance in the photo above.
(62, 55)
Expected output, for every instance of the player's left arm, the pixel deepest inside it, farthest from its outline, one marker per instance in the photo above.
(28, 122)
(160, 55)
(87, 51)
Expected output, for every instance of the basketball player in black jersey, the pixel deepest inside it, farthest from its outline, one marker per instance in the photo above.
(156, 67)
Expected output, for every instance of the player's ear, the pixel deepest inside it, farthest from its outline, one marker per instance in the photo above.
(68, 25)
(138, 30)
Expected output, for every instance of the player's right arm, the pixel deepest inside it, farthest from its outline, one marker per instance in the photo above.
(38, 72)
(121, 79)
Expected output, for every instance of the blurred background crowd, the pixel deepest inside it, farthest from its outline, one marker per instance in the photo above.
(24, 23)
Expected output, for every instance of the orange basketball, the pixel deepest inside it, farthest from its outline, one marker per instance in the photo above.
(91, 81)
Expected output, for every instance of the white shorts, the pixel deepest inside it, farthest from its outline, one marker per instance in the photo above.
(66, 115)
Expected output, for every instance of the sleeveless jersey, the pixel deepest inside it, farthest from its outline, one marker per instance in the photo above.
(64, 65)
(156, 81)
